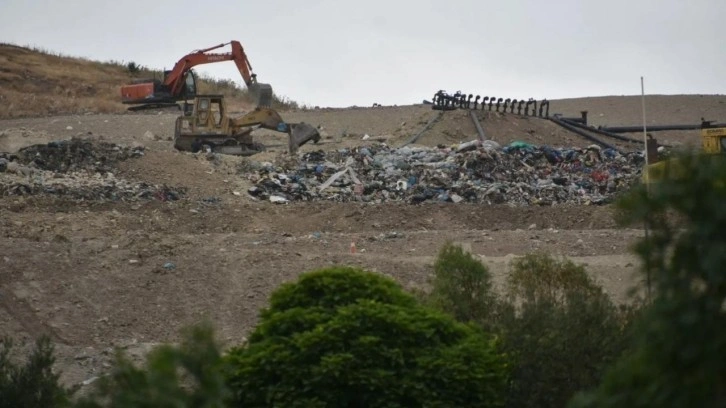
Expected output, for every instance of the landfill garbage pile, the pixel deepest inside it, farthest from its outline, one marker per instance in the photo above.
(77, 154)
(475, 172)
(77, 169)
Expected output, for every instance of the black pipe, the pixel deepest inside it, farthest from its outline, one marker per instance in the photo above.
(514, 103)
(584, 117)
(542, 105)
(468, 101)
(519, 107)
(484, 102)
(577, 120)
(602, 132)
(653, 128)
(491, 102)
(506, 104)
(584, 134)
(534, 107)
(499, 101)
(526, 106)
(437, 98)
(476, 101)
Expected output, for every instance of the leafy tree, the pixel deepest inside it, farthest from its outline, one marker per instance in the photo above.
(345, 337)
(680, 341)
(33, 384)
(188, 375)
(560, 328)
(462, 285)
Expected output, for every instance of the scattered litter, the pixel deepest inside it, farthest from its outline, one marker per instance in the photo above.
(79, 169)
(482, 172)
(169, 266)
(89, 381)
(278, 200)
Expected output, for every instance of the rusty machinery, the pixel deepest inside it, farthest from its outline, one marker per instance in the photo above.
(206, 126)
(179, 83)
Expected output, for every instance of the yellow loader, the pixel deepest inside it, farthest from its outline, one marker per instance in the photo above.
(205, 126)
(713, 142)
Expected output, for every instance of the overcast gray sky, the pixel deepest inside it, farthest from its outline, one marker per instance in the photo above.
(342, 53)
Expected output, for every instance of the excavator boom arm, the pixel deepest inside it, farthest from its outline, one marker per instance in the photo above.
(175, 79)
(175, 86)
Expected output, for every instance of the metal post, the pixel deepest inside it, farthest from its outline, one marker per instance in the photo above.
(647, 186)
(479, 130)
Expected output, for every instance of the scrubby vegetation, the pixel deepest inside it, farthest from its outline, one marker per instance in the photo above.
(558, 327)
(680, 339)
(37, 82)
(32, 384)
(552, 338)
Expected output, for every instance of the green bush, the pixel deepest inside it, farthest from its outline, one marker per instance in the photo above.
(133, 67)
(187, 375)
(33, 384)
(678, 358)
(349, 338)
(560, 328)
(462, 285)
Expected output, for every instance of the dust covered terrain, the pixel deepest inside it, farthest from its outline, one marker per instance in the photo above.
(111, 238)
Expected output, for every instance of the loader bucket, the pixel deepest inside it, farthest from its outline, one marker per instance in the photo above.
(300, 134)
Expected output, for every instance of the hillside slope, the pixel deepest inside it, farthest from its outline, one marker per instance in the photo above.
(39, 83)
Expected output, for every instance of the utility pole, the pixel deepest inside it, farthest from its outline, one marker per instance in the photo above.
(647, 185)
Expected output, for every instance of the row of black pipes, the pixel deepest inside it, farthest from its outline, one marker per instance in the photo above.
(443, 101)
(459, 100)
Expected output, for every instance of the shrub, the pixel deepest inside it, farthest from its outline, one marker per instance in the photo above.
(461, 285)
(33, 384)
(561, 329)
(346, 337)
(188, 375)
(133, 68)
(677, 360)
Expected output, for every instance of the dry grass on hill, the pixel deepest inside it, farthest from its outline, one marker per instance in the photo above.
(35, 82)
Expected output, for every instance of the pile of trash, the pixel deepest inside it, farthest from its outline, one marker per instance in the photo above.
(79, 169)
(475, 172)
(77, 154)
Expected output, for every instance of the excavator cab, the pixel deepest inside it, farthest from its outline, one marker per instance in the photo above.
(190, 85)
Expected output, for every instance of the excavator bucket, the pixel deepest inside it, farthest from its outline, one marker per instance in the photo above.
(262, 94)
(300, 134)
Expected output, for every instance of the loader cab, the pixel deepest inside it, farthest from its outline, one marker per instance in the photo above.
(713, 139)
(209, 112)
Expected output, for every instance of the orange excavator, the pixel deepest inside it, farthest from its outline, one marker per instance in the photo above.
(179, 84)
